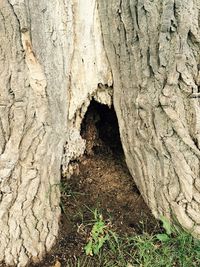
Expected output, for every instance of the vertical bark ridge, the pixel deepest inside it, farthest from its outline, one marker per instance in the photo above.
(153, 48)
(31, 149)
(52, 64)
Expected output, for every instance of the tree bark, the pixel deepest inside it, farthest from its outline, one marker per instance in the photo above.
(154, 56)
(31, 134)
(54, 60)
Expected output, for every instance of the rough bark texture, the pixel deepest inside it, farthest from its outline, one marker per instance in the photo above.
(33, 120)
(51, 63)
(153, 48)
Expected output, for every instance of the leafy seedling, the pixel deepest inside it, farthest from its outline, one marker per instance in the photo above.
(168, 230)
(98, 236)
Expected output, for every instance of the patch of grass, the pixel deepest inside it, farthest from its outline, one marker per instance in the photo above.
(173, 247)
(181, 249)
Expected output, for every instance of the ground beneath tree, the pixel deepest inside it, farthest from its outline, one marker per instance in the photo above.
(102, 182)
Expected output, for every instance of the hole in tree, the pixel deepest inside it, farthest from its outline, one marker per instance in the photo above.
(104, 176)
(100, 130)
(100, 183)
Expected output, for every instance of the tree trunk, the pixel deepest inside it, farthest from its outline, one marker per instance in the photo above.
(32, 125)
(154, 56)
(54, 60)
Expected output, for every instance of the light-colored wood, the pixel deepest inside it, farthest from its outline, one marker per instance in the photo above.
(52, 62)
(55, 56)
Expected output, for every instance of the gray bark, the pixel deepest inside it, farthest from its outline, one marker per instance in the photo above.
(154, 56)
(32, 126)
(55, 56)
(51, 63)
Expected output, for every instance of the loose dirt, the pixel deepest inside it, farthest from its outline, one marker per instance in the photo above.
(100, 181)
(103, 183)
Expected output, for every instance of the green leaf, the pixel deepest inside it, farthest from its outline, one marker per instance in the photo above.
(166, 225)
(163, 237)
(88, 248)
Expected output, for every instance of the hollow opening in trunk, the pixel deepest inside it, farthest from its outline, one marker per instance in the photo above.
(100, 130)
(103, 180)
(101, 184)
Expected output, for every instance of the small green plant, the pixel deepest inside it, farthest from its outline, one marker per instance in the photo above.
(164, 237)
(99, 235)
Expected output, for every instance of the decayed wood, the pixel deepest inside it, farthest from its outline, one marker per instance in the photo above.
(52, 62)
(55, 56)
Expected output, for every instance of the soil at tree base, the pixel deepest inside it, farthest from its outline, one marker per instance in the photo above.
(101, 181)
